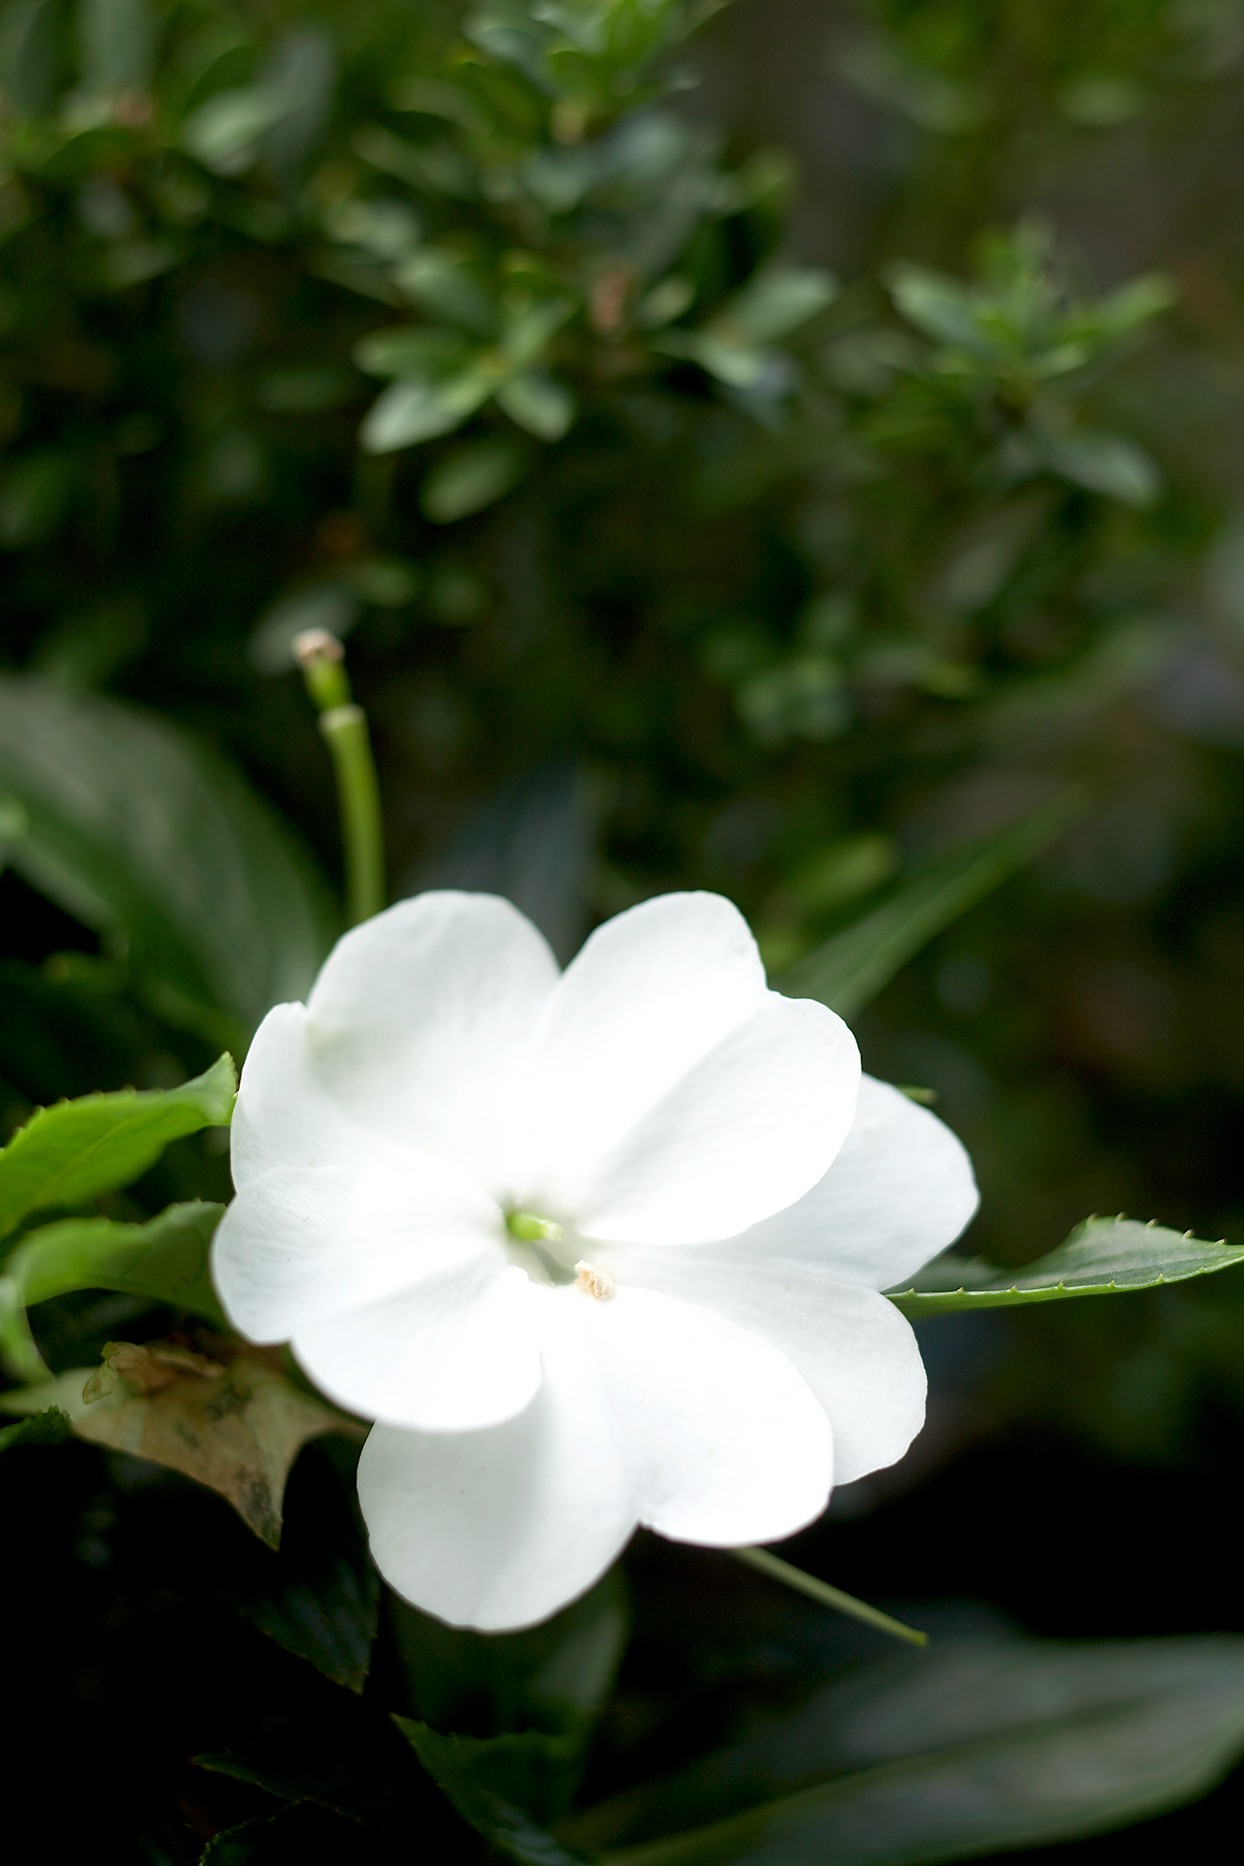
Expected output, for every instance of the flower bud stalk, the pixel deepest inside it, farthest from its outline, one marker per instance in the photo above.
(343, 727)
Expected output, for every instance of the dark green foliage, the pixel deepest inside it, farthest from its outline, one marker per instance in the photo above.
(975, 1747)
(319, 1595)
(289, 1836)
(466, 1768)
(42, 1428)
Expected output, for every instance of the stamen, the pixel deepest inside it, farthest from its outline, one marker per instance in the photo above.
(596, 1283)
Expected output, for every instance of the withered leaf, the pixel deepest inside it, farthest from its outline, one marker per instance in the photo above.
(226, 1416)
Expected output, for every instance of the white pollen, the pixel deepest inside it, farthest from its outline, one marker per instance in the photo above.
(596, 1283)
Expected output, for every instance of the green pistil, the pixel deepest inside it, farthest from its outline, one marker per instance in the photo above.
(530, 1228)
(541, 1255)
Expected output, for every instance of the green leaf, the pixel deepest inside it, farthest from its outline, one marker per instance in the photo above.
(1102, 1256)
(166, 1259)
(529, 332)
(293, 1836)
(739, 366)
(940, 307)
(556, 1676)
(854, 964)
(538, 403)
(462, 1768)
(454, 289)
(319, 1597)
(775, 303)
(473, 476)
(278, 118)
(117, 39)
(228, 1420)
(226, 132)
(969, 1749)
(526, 1768)
(529, 1701)
(154, 841)
(1137, 303)
(1106, 463)
(42, 1428)
(28, 48)
(409, 412)
(323, 1747)
(410, 350)
(72, 1152)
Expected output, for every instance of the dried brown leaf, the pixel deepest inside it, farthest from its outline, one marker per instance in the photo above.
(226, 1417)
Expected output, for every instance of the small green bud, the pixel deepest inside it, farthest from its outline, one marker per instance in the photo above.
(322, 660)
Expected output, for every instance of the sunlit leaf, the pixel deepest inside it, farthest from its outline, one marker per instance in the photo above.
(1102, 1256)
(738, 365)
(409, 412)
(165, 1259)
(776, 303)
(78, 1149)
(278, 117)
(225, 133)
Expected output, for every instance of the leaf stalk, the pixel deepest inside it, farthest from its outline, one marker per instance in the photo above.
(828, 1596)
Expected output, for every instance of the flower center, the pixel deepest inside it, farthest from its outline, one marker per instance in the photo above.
(530, 1228)
(541, 1251)
(547, 1255)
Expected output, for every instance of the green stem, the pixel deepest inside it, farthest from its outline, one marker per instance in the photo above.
(801, 1583)
(345, 733)
(343, 726)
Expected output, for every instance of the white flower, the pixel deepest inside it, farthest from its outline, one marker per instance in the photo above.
(594, 1249)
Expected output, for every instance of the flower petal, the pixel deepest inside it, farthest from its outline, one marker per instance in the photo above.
(652, 992)
(498, 1529)
(723, 1440)
(457, 1352)
(420, 1016)
(284, 1116)
(856, 1352)
(899, 1192)
(300, 1243)
(748, 1130)
(864, 1366)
